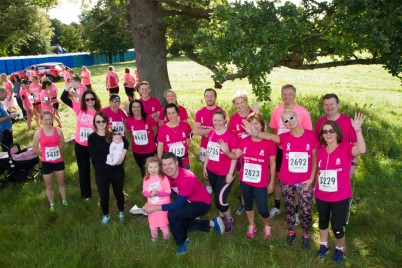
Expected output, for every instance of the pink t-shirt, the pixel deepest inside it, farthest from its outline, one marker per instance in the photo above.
(204, 117)
(84, 124)
(187, 184)
(345, 123)
(110, 83)
(66, 77)
(255, 161)
(157, 218)
(32, 73)
(86, 77)
(8, 86)
(142, 141)
(116, 120)
(175, 140)
(236, 123)
(49, 146)
(297, 157)
(333, 183)
(53, 91)
(129, 80)
(26, 98)
(45, 96)
(182, 114)
(302, 114)
(35, 90)
(151, 106)
(218, 161)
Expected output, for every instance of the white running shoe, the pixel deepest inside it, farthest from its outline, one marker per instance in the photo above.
(274, 212)
(209, 189)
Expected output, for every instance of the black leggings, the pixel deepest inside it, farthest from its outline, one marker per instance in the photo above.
(140, 160)
(260, 194)
(84, 169)
(217, 182)
(339, 211)
(103, 181)
(129, 92)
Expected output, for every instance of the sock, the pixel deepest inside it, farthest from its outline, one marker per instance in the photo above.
(278, 204)
(340, 248)
(64, 202)
(121, 214)
(324, 243)
(52, 204)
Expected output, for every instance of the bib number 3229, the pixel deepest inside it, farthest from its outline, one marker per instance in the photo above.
(328, 181)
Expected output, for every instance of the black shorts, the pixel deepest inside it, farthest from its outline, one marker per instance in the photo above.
(279, 153)
(89, 86)
(114, 90)
(48, 168)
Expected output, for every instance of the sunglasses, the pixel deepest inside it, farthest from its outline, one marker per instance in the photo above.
(100, 121)
(289, 119)
(324, 131)
(90, 99)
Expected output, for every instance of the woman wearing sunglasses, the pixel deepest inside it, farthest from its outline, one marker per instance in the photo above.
(297, 171)
(333, 189)
(99, 144)
(85, 110)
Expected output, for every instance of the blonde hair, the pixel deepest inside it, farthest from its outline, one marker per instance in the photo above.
(240, 94)
(150, 160)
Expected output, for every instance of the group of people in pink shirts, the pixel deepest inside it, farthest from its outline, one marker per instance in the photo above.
(291, 161)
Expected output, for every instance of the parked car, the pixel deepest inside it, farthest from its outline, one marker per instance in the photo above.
(53, 70)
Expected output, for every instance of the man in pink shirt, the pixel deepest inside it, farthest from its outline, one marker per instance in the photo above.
(152, 105)
(331, 108)
(192, 201)
(86, 77)
(288, 94)
(203, 123)
(112, 81)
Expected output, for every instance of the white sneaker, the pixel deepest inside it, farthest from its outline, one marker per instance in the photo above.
(297, 219)
(274, 212)
(209, 189)
(105, 220)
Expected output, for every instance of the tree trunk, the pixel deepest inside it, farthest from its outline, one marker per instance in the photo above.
(147, 23)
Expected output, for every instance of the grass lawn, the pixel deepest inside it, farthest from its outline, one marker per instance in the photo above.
(31, 236)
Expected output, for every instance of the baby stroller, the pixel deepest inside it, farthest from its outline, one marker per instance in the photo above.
(18, 165)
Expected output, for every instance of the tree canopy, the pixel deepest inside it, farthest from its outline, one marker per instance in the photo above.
(248, 39)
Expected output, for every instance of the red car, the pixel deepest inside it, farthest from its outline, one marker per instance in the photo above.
(53, 70)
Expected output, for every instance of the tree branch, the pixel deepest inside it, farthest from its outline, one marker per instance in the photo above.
(192, 12)
(334, 64)
(117, 10)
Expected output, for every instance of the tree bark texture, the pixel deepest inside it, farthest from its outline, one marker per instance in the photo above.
(149, 29)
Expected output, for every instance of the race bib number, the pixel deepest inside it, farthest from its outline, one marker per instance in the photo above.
(140, 137)
(252, 173)
(298, 162)
(52, 153)
(177, 148)
(155, 199)
(118, 126)
(84, 133)
(202, 154)
(31, 99)
(328, 181)
(213, 151)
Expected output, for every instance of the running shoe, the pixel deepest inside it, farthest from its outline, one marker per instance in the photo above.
(121, 219)
(322, 252)
(240, 210)
(290, 238)
(274, 212)
(251, 231)
(338, 256)
(209, 189)
(65, 202)
(305, 242)
(105, 220)
(219, 226)
(229, 225)
(267, 232)
(182, 249)
(52, 209)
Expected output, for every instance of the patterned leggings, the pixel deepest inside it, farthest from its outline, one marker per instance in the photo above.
(305, 196)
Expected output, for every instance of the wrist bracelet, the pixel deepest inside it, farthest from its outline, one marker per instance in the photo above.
(354, 164)
(359, 130)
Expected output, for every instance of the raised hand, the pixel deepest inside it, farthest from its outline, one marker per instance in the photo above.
(358, 121)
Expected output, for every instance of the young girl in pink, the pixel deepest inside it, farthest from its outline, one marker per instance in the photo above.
(156, 188)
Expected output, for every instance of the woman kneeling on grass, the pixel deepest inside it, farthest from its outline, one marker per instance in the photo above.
(333, 189)
(99, 144)
(258, 168)
(48, 143)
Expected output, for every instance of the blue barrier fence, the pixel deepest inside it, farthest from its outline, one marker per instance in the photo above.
(9, 65)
